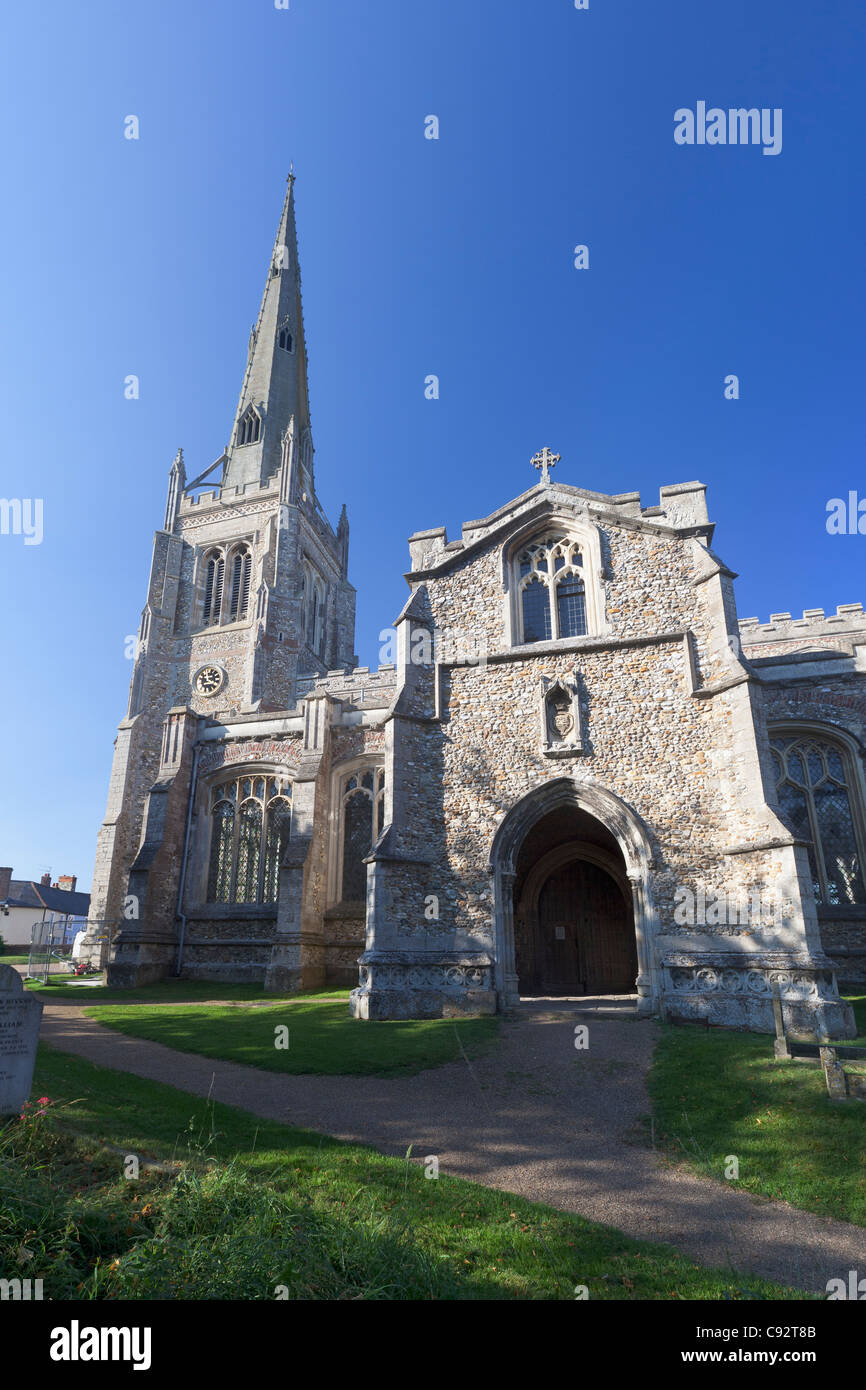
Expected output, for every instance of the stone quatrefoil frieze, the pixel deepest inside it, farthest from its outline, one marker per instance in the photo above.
(425, 976)
(711, 980)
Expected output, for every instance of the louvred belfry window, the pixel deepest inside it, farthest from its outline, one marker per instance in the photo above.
(227, 581)
(815, 786)
(213, 592)
(241, 566)
(250, 825)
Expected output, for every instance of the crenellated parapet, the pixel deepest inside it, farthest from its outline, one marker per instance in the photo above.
(815, 630)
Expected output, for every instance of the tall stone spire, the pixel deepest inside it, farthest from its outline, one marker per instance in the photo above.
(275, 381)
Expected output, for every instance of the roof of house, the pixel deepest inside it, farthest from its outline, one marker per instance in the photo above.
(23, 893)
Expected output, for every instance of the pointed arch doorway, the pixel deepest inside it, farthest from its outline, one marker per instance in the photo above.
(574, 925)
(557, 822)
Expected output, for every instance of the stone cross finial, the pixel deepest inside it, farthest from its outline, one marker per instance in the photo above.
(544, 461)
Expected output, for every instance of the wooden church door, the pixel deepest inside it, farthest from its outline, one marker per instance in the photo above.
(584, 940)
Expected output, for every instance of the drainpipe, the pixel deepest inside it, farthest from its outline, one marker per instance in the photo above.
(180, 891)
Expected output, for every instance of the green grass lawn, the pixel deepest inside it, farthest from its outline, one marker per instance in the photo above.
(721, 1093)
(10, 959)
(322, 1037)
(254, 1205)
(166, 992)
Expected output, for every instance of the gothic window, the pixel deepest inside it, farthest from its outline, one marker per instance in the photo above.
(213, 589)
(284, 338)
(227, 578)
(239, 596)
(279, 819)
(549, 579)
(536, 611)
(250, 820)
(571, 606)
(222, 843)
(815, 785)
(362, 805)
(307, 449)
(314, 599)
(249, 426)
(318, 641)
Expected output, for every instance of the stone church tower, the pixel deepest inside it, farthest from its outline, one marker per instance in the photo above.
(581, 773)
(247, 602)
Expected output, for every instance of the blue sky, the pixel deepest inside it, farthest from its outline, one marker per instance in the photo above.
(451, 257)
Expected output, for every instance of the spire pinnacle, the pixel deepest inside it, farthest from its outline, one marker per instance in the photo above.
(275, 381)
(176, 485)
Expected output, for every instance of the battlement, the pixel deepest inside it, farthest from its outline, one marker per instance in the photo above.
(220, 496)
(849, 618)
(357, 685)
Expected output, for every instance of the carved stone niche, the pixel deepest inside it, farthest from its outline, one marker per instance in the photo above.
(562, 732)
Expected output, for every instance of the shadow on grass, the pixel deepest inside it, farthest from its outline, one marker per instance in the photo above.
(721, 1096)
(303, 1036)
(260, 1205)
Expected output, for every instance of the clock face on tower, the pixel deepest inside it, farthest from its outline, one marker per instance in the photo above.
(209, 680)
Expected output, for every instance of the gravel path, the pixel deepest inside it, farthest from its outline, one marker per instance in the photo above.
(534, 1117)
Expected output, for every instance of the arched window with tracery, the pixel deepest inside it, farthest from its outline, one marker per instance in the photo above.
(818, 792)
(362, 809)
(278, 824)
(551, 589)
(227, 580)
(219, 888)
(250, 822)
(249, 427)
(284, 338)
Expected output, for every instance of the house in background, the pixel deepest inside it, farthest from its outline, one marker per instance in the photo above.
(23, 902)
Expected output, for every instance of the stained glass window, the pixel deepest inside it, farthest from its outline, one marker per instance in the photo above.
(247, 848)
(571, 607)
(815, 799)
(357, 843)
(551, 590)
(279, 819)
(536, 612)
(222, 840)
(363, 805)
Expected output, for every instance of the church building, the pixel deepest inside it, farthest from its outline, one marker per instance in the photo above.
(579, 774)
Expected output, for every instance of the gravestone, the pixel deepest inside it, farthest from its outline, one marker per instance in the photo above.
(834, 1072)
(20, 1015)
